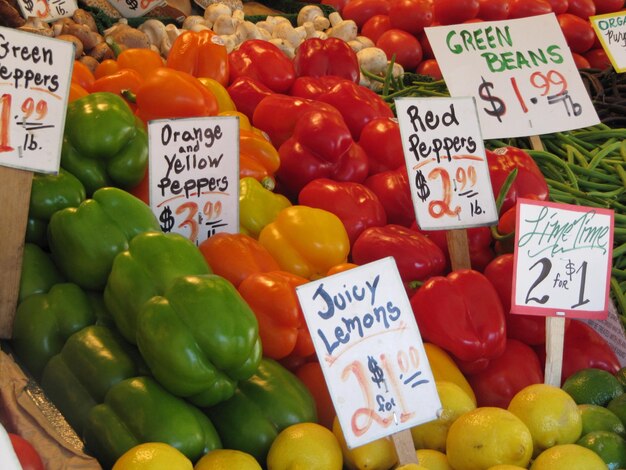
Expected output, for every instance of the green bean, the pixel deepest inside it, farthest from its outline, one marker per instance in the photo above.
(603, 153)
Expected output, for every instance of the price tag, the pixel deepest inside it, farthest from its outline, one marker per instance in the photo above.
(135, 8)
(520, 71)
(562, 260)
(194, 175)
(35, 73)
(47, 10)
(611, 31)
(370, 351)
(446, 163)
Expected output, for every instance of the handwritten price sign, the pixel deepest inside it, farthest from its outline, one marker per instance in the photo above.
(562, 260)
(35, 82)
(445, 159)
(520, 71)
(135, 8)
(370, 351)
(194, 175)
(611, 30)
(47, 10)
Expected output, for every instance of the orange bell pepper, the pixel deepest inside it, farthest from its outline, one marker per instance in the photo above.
(167, 93)
(236, 256)
(200, 54)
(258, 158)
(76, 92)
(106, 67)
(144, 61)
(82, 75)
(118, 82)
(282, 327)
(306, 241)
(311, 375)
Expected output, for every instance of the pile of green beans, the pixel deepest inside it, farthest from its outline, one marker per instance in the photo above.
(587, 167)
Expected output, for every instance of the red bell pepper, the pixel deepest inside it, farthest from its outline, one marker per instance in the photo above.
(393, 191)
(462, 314)
(529, 329)
(282, 328)
(263, 61)
(381, 140)
(506, 375)
(167, 94)
(321, 147)
(355, 204)
(247, 93)
(277, 115)
(357, 104)
(201, 54)
(479, 243)
(529, 182)
(311, 375)
(417, 257)
(312, 87)
(583, 348)
(316, 57)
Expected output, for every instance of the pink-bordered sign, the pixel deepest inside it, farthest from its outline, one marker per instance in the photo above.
(563, 258)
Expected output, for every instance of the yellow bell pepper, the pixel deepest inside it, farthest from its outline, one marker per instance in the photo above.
(444, 368)
(258, 206)
(306, 241)
(224, 102)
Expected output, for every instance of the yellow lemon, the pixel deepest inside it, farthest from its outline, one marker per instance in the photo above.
(411, 466)
(227, 459)
(454, 401)
(552, 415)
(433, 459)
(488, 436)
(153, 456)
(376, 455)
(305, 446)
(506, 467)
(568, 457)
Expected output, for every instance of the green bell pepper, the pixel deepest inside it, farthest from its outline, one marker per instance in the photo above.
(199, 338)
(104, 144)
(43, 322)
(49, 194)
(258, 206)
(152, 262)
(138, 410)
(265, 404)
(39, 273)
(84, 240)
(90, 363)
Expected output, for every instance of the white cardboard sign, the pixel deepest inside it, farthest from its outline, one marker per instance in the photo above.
(611, 30)
(194, 175)
(370, 351)
(520, 71)
(446, 163)
(562, 260)
(135, 8)
(47, 10)
(35, 76)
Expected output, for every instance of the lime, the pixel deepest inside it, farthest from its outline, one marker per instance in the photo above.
(568, 457)
(598, 418)
(488, 436)
(593, 386)
(618, 406)
(609, 446)
(551, 415)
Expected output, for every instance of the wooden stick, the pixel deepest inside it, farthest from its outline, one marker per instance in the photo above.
(555, 334)
(15, 188)
(458, 248)
(403, 442)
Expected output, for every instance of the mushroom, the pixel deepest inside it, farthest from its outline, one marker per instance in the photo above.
(215, 10)
(284, 46)
(195, 20)
(155, 30)
(78, 45)
(90, 62)
(286, 31)
(342, 29)
(88, 37)
(372, 60)
(101, 52)
(225, 25)
(313, 14)
(126, 37)
(81, 16)
(36, 26)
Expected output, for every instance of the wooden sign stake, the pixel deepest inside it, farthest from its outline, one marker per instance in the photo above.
(458, 248)
(555, 326)
(405, 449)
(15, 188)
